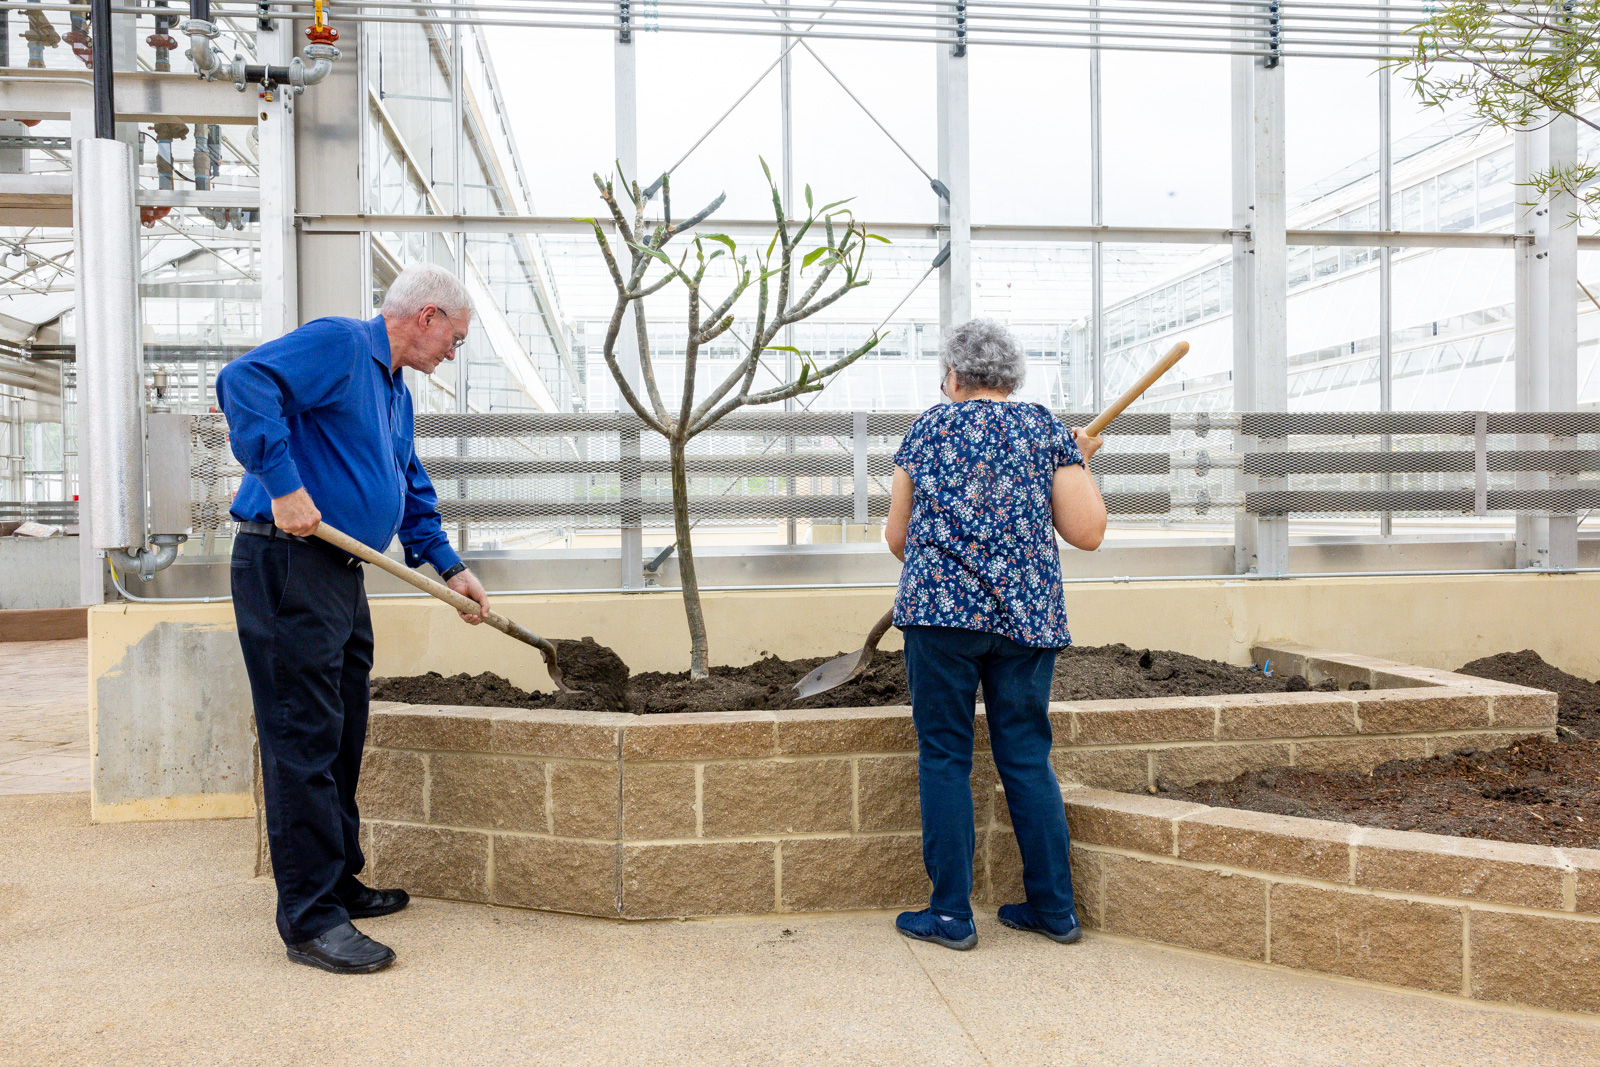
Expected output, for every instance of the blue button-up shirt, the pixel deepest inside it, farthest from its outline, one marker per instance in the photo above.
(981, 545)
(320, 409)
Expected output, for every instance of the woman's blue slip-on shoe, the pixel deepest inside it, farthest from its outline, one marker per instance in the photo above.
(1023, 917)
(924, 925)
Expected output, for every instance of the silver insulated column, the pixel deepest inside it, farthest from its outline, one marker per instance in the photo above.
(110, 355)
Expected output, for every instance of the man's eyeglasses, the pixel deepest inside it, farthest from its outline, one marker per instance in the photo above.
(457, 342)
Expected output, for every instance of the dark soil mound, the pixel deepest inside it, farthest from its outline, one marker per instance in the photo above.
(1105, 672)
(1580, 699)
(1536, 791)
(590, 667)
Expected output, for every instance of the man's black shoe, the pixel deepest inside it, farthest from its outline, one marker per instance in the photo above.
(343, 950)
(370, 903)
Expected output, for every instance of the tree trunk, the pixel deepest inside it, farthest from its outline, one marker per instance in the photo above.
(698, 654)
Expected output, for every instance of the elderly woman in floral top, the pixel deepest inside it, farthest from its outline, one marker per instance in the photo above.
(982, 486)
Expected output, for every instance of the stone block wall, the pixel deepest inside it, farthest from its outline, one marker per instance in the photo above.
(1489, 920)
(659, 816)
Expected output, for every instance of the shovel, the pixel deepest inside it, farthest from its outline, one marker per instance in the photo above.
(837, 672)
(342, 540)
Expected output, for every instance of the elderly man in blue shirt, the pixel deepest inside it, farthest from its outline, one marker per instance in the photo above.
(321, 420)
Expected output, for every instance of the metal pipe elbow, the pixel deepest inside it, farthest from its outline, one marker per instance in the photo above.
(148, 559)
(320, 57)
(207, 63)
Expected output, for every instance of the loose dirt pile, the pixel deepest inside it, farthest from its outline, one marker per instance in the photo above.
(1580, 699)
(1536, 791)
(1105, 672)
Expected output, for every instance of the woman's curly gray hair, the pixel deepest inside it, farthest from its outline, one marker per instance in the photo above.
(984, 355)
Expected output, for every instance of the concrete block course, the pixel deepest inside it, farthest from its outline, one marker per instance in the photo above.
(557, 733)
(417, 726)
(487, 792)
(750, 797)
(430, 861)
(1397, 942)
(1197, 763)
(1144, 824)
(583, 799)
(1105, 722)
(886, 794)
(659, 800)
(1213, 911)
(1357, 755)
(711, 878)
(703, 735)
(1538, 960)
(836, 873)
(841, 730)
(1260, 715)
(392, 785)
(1279, 844)
(555, 875)
(1400, 711)
(1464, 868)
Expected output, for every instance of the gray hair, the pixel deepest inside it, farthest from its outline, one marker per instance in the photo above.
(984, 355)
(423, 285)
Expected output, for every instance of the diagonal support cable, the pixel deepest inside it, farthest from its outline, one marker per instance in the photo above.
(655, 186)
(938, 186)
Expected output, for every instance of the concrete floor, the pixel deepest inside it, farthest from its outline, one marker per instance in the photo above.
(151, 944)
(44, 721)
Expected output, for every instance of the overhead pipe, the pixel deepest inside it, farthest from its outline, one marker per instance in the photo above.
(314, 63)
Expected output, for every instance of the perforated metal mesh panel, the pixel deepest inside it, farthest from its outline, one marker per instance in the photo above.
(523, 474)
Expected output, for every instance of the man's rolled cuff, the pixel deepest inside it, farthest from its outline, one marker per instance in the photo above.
(280, 479)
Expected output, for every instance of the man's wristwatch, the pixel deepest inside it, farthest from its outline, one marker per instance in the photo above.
(451, 572)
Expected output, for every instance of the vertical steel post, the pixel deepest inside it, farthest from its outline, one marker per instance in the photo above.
(458, 169)
(100, 43)
(626, 100)
(786, 124)
(955, 213)
(1547, 332)
(1385, 277)
(280, 287)
(1097, 276)
(1260, 373)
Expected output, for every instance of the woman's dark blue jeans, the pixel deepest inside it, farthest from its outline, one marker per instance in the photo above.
(945, 667)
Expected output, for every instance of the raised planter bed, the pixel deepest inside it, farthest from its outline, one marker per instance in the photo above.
(643, 817)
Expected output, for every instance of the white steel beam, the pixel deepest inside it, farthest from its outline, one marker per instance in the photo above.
(626, 99)
(955, 214)
(1547, 332)
(141, 96)
(280, 294)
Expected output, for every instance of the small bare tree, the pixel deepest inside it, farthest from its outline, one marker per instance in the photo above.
(839, 256)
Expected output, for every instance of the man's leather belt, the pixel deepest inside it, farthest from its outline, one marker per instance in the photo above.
(266, 529)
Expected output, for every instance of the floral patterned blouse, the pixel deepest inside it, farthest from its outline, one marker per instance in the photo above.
(981, 547)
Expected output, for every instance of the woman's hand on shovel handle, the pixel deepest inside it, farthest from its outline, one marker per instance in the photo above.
(466, 583)
(1086, 444)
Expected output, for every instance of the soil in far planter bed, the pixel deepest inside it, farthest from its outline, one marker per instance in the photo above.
(1105, 672)
(1536, 791)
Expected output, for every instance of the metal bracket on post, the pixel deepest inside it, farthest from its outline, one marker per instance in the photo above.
(1274, 35)
(1480, 466)
(960, 47)
(264, 15)
(624, 22)
(858, 469)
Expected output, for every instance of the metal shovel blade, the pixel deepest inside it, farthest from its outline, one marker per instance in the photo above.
(836, 672)
(833, 673)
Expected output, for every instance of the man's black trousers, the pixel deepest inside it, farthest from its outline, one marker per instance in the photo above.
(306, 632)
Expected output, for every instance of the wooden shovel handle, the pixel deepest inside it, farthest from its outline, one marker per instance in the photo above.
(1177, 352)
(341, 540)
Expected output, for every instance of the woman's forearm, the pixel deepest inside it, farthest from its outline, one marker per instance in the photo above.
(894, 528)
(1077, 508)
